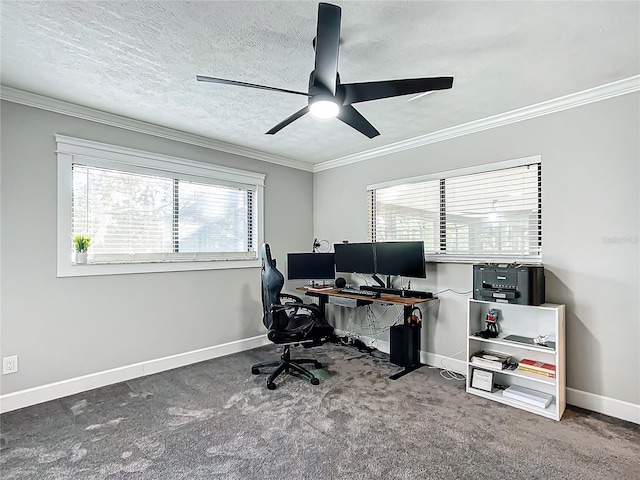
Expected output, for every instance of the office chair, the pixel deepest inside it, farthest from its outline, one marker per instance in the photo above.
(289, 321)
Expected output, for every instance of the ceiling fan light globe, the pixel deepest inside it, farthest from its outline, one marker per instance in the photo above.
(324, 109)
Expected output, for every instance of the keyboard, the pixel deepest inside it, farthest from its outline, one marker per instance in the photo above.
(360, 293)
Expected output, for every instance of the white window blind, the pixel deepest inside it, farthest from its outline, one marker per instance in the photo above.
(136, 217)
(147, 212)
(487, 215)
(409, 211)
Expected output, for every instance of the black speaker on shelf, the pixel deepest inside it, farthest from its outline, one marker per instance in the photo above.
(340, 282)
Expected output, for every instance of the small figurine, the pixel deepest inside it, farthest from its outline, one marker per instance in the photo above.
(492, 324)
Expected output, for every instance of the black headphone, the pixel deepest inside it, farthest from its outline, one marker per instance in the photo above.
(415, 318)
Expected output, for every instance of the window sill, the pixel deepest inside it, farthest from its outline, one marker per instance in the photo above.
(66, 269)
(475, 260)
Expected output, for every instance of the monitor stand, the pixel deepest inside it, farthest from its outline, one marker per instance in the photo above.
(380, 282)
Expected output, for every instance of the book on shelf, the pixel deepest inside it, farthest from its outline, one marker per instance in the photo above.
(528, 396)
(538, 372)
(537, 366)
(491, 360)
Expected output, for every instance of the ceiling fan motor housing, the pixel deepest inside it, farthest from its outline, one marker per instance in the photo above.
(319, 93)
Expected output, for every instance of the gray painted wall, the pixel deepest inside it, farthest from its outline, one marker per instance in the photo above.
(62, 328)
(68, 327)
(590, 163)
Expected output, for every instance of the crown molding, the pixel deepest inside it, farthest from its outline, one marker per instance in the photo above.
(596, 94)
(591, 95)
(29, 99)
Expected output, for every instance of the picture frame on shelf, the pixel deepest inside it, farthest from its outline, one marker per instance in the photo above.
(482, 380)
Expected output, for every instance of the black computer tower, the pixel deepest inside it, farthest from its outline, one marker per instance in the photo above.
(397, 350)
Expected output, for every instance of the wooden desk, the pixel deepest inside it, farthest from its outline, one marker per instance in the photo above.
(411, 349)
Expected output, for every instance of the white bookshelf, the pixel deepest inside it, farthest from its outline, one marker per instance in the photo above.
(526, 321)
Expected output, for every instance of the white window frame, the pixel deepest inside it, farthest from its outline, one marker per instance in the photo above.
(489, 167)
(75, 150)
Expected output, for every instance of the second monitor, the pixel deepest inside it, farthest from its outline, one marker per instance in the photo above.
(405, 259)
(355, 258)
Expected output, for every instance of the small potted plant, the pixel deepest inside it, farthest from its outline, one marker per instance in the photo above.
(81, 244)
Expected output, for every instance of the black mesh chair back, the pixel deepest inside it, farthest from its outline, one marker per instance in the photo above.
(272, 282)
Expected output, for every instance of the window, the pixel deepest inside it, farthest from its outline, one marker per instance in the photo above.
(148, 213)
(489, 213)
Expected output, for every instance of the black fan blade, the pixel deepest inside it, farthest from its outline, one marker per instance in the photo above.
(327, 44)
(200, 78)
(289, 120)
(353, 118)
(363, 92)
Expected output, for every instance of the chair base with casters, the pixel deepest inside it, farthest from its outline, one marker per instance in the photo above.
(286, 364)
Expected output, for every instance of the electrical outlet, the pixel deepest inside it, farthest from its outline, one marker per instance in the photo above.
(9, 365)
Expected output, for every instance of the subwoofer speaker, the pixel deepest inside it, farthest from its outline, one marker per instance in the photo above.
(398, 354)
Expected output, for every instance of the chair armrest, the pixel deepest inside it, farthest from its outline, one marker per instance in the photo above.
(310, 309)
(295, 306)
(290, 298)
(291, 301)
(303, 315)
(313, 308)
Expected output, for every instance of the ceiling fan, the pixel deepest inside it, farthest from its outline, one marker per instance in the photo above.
(327, 97)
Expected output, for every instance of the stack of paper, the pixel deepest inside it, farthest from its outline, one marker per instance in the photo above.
(527, 395)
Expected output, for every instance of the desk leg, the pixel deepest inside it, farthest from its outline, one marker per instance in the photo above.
(322, 304)
(411, 347)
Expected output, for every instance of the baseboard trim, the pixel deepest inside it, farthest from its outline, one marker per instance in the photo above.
(426, 358)
(605, 405)
(52, 391)
(446, 363)
(627, 411)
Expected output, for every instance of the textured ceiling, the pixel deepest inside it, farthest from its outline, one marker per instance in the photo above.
(139, 59)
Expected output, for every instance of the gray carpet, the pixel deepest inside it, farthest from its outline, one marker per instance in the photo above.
(215, 420)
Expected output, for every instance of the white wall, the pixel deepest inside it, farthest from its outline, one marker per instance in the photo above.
(63, 328)
(590, 164)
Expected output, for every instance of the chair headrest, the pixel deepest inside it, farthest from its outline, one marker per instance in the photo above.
(266, 256)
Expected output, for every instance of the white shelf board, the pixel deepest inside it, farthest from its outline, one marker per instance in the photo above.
(523, 346)
(550, 412)
(519, 373)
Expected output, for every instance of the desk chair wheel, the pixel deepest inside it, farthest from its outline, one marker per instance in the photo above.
(315, 381)
(271, 386)
(255, 370)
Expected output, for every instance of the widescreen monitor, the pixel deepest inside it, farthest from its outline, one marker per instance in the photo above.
(405, 259)
(311, 266)
(354, 258)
